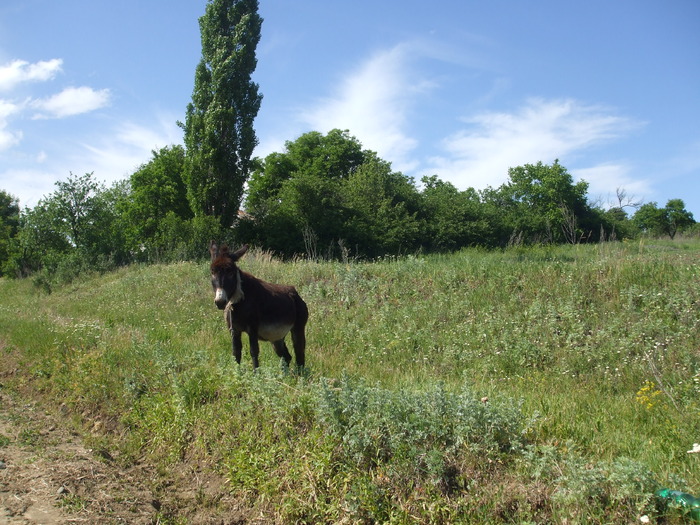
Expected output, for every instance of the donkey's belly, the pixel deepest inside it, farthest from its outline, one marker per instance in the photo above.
(273, 332)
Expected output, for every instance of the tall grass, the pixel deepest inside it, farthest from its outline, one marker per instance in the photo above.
(536, 384)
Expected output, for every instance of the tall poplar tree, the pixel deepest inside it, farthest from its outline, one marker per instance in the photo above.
(219, 133)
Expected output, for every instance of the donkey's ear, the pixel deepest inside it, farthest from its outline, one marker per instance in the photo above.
(213, 250)
(239, 253)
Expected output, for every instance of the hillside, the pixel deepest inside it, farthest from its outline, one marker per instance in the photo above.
(539, 384)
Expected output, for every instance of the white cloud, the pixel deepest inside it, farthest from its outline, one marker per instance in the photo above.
(19, 71)
(8, 138)
(604, 179)
(542, 130)
(112, 155)
(7, 108)
(71, 101)
(373, 103)
(28, 184)
(118, 154)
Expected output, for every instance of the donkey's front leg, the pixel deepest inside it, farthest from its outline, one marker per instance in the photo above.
(237, 345)
(235, 335)
(254, 348)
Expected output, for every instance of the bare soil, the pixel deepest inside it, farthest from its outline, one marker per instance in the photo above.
(49, 476)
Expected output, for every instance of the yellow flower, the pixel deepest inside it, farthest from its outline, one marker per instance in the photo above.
(646, 396)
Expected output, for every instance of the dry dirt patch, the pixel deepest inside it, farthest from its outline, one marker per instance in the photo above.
(48, 476)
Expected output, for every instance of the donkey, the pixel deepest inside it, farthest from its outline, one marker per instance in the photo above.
(263, 310)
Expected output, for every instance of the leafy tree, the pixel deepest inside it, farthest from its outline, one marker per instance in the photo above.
(111, 226)
(649, 219)
(454, 218)
(157, 189)
(9, 224)
(653, 220)
(219, 133)
(38, 243)
(543, 203)
(76, 227)
(296, 196)
(266, 181)
(9, 211)
(75, 209)
(181, 239)
(325, 190)
(335, 155)
(677, 217)
(616, 224)
(383, 209)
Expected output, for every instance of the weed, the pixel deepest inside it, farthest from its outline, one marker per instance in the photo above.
(73, 503)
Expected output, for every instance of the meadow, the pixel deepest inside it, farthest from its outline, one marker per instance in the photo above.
(533, 384)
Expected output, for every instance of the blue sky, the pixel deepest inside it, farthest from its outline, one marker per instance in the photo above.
(463, 89)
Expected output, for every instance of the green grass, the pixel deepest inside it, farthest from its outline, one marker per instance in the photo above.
(534, 384)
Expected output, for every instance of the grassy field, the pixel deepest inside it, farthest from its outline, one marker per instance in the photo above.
(548, 384)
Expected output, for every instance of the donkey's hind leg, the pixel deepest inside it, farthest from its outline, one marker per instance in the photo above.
(281, 349)
(299, 343)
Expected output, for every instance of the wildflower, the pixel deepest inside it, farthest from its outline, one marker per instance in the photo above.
(644, 519)
(646, 396)
(695, 449)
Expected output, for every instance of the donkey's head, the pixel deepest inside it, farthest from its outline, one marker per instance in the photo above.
(225, 276)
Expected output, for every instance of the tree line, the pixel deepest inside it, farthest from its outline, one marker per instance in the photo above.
(324, 196)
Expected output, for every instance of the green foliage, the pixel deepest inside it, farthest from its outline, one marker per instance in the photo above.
(156, 189)
(179, 239)
(383, 208)
(677, 217)
(9, 225)
(543, 204)
(75, 228)
(455, 219)
(325, 190)
(651, 219)
(77, 210)
(219, 133)
(9, 211)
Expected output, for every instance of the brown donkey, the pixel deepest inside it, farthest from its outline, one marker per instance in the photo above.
(263, 310)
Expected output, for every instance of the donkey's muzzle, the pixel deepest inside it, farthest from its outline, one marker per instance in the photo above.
(220, 299)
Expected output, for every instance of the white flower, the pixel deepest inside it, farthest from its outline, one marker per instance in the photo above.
(695, 449)
(644, 519)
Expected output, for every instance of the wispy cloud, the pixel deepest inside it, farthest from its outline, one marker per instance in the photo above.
(373, 102)
(604, 179)
(542, 130)
(112, 155)
(19, 71)
(8, 138)
(71, 101)
(122, 150)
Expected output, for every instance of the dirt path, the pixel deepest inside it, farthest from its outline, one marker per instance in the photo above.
(47, 476)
